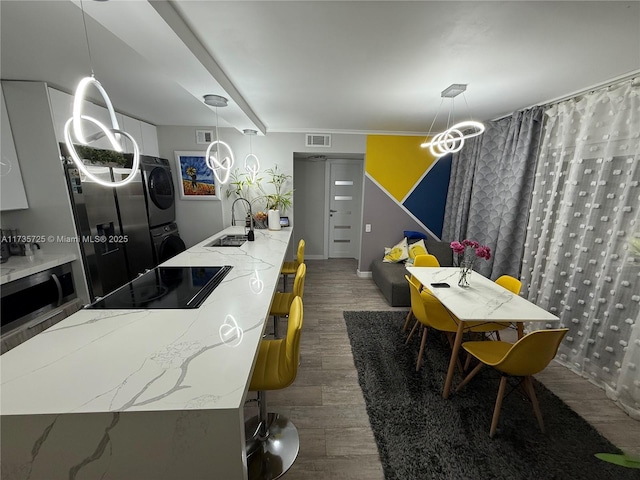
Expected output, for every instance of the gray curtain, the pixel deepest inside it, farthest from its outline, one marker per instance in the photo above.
(490, 190)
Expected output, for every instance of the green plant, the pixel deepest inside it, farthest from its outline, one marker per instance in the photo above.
(242, 186)
(282, 198)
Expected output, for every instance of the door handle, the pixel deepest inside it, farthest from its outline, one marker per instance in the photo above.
(54, 277)
(333, 211)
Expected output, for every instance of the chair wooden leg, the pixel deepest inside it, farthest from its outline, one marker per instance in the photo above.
(534, 401)
(275, 326)
(411, 333)
(451, 339)
(496, 409)
(467, 362)
(472, 374)
(498, 335)
(406, 322)
(422, 344)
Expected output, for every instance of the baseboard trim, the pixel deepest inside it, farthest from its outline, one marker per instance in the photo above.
(362, 274)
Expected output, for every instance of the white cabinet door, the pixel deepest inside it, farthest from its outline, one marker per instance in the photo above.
(61, 110)
(132, 127)
(149, 139)
(12, 194)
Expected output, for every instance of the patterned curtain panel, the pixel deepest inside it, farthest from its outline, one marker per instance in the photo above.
(582, 252)
(490, 190)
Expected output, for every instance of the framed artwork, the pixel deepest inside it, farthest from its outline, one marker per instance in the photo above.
(197, 181)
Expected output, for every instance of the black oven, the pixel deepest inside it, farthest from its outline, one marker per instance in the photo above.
(31, 297)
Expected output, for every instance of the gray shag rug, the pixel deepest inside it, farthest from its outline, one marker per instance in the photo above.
(422, 436)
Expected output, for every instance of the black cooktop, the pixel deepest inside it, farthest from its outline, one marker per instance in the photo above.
(166, 287)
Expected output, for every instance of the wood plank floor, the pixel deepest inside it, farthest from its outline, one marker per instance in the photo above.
(326, 403)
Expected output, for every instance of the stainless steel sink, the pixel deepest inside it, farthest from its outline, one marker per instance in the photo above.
(228, 241)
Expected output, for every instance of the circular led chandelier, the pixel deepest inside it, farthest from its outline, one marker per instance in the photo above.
(452, 139)
(251, 162)
(113, 134)
(220, 164)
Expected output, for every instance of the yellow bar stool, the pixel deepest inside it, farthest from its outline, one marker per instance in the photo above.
(282, 300)
(272, 439)
(290, 268)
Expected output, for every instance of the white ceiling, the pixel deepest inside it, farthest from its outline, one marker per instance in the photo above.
(324, 66)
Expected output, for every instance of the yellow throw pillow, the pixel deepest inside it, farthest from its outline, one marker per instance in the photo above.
(397, 253)
(415, 249)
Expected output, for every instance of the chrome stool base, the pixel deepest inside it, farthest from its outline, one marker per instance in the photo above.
(270, 456)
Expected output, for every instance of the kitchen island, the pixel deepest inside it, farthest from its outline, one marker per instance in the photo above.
(144, 394)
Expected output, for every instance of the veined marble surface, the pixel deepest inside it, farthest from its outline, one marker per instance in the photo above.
(482, 300)
(137, 360)
(17, 267)
(137, 394)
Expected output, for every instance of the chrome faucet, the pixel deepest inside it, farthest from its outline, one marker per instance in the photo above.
(251, 235)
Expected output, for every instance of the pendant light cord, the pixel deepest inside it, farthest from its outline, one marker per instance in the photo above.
(217, 135)
(86, 36)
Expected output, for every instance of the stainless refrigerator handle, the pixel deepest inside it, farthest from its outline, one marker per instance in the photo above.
(54, 277)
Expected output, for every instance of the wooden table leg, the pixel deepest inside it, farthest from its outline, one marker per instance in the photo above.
(520, 327)
(452, 362)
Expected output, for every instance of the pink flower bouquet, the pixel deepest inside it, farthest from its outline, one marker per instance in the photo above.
(467, 252)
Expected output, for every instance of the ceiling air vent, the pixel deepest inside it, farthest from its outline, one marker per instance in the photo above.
(318, 140)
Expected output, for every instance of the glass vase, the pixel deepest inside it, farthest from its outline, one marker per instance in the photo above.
(465, 272)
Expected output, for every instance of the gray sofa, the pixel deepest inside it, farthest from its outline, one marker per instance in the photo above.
(389, 277)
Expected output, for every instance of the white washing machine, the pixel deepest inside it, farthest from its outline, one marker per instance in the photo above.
(159, 190)
(166, 242)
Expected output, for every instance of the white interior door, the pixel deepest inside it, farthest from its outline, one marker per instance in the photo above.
(345, 207)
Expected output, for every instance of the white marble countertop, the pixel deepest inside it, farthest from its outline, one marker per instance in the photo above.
(17, 267)
(154, 360)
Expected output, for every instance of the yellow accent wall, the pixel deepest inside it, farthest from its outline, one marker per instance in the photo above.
(397, 163)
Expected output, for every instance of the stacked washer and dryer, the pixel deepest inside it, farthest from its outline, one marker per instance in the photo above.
(161, 208)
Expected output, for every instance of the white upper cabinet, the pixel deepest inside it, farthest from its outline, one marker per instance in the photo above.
(12, 194)
(145, 134)
(132, 127)
(149, 139)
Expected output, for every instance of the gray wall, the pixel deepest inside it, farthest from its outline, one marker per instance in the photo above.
(198, 220)
(309, 198)
(388, 220)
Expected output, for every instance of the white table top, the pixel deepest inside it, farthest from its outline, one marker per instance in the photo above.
(151, 360)
(482, 300)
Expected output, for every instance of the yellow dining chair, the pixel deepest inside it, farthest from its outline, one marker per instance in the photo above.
(282, 300)
(513, 285)
(431, 314)
(420, 261)
(272, 439)
(528, 356)
(290, 268)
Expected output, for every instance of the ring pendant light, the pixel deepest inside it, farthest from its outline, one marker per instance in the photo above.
(251, 161)
(452, 139)
(73, 128)
(220, 165)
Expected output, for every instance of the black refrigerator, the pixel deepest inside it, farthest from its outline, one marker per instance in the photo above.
(111, 223)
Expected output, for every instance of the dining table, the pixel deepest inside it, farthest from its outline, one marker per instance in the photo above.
(482, 301)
